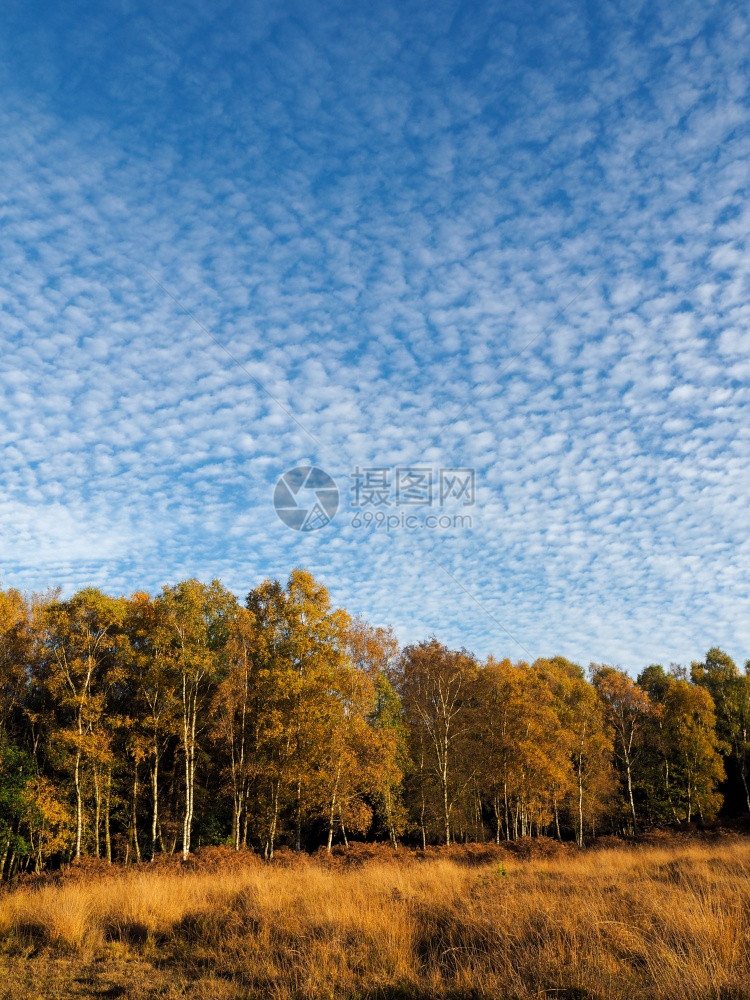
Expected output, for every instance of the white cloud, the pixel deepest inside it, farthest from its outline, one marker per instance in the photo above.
(375, 213)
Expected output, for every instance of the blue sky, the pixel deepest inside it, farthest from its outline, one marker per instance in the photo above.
(241, 237)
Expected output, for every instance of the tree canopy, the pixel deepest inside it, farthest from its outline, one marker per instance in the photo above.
(133, 726)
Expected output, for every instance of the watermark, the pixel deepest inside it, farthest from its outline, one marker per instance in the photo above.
(306, 498)
(412, 486)
(392, 521)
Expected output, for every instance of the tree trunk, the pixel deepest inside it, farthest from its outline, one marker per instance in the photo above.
(298, 836)
(446, 807)
(630, 796)
(334, 803)
(154, 803)
(239, 782)
(107, 810)
(134, 813)
(330, 823)
(79, 803)
(743, 775)
(4, 857)
(236, 826)
(389, 817)
(189, 728)
(274, 817)
(579, 837)
(421, 814)
(97, 812)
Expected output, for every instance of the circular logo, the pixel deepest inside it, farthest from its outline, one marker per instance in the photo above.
(306, 498)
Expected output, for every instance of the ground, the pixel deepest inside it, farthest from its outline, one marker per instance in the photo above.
(667, 918)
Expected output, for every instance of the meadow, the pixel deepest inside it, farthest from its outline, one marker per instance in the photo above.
(665, 919)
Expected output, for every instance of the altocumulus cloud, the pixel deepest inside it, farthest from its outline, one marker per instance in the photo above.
(507, 237)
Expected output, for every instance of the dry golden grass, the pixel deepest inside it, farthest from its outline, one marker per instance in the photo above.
(665, 922)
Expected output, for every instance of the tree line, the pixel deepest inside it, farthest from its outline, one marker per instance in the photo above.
(131, 727)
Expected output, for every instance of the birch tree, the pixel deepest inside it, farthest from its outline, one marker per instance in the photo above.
(193, 622)
(581, 714)
(82, 637)
(437, 690)
(152, 689)
(694, 748)
(525, 759)
(627, 709)
(239, 705)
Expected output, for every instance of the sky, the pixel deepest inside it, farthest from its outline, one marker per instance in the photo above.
(241, 238)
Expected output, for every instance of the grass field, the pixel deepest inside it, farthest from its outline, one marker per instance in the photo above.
(664, 920)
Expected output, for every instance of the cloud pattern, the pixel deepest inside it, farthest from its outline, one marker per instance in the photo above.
(241, 237)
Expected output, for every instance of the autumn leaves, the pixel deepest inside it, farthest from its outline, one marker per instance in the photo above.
(134, 726)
